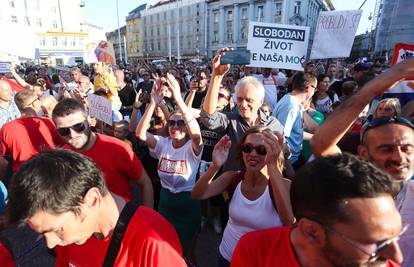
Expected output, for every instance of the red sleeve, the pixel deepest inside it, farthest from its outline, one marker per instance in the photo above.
(131, 164)
(391, 263)
(6, 259)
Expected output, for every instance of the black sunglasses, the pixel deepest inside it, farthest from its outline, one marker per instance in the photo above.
(248, 148)
(78, 127)
(179, 123)
(220, 95)
(373, 123)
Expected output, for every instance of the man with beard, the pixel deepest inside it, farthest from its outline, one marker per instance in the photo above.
(387, 142)
(346, 217)
(118, 162)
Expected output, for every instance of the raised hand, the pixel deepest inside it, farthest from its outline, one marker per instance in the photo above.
(221, 151)
(157, 94)
(173, 86)
(218, 69)
(273, 141)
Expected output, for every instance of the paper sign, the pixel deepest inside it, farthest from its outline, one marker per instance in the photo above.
(100, 108)
(402, 52)
(277, 45)
(335, 33)
(102, 51)
(4, 67)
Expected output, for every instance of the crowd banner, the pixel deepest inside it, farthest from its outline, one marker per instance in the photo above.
(402, 52)
(99, 51)
(335, 33)
(277, 45)
(100, 108)
(403, 90)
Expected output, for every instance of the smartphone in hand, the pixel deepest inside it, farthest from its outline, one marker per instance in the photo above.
(235, 57)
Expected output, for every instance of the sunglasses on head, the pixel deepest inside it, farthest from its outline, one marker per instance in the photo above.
(373, 123)
(78, 127)
(220, 95)
(248, 148)
(179, 123)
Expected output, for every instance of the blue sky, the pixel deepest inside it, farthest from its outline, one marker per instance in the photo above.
(103, 12)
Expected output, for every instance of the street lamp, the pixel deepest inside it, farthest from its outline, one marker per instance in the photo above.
(119, 31)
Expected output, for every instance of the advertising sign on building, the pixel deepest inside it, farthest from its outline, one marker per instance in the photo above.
(100, 108)
(335, 33)
(277, 45)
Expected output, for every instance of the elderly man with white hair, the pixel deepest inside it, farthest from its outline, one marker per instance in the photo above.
(249, 98)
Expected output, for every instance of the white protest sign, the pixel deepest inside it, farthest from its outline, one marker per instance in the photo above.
(4, 67)
(335, 33)
(100, 108)
(277, 45)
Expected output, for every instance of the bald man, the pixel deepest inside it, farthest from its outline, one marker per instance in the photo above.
(8, 109)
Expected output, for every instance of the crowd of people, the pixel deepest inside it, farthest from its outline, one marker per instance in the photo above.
(293, 168)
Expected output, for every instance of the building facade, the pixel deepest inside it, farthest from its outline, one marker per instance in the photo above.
(395, 24)
(119, 45)
(175, 29)
(57, 26)
(228, 20)
(134, 34)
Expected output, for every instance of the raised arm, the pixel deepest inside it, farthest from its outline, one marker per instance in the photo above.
(190, 97)
(192, 124)
(280, 190)
(326, 137)
(142, 129)
(207, 187)
(135, 109)
(210, 101)
(17, 77)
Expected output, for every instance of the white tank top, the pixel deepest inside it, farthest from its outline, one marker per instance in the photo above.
(245, 216)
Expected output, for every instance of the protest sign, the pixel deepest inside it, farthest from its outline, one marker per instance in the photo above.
(4, 67)
(335, 33)
(277, 45)
(102, 51)
(100, 108)
(402, 52)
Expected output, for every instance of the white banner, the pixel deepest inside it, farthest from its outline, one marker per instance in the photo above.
(100, 108)
(277, 45)
(17, 40)
(335, 33)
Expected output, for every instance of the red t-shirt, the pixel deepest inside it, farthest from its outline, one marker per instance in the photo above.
(268, 248)
(23, 138)
(117, 161)
(6, 258)
(149, 241)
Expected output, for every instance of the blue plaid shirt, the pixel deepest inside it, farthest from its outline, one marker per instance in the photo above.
(9, 114)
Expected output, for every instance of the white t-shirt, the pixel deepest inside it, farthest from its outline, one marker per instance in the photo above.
(177, 167)
(245, 216)
(325, 105)
(270, 86)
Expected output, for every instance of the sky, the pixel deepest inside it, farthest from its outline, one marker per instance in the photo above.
(103, 12)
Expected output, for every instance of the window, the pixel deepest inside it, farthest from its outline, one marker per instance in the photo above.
(42, 41)
(297, 7)
(53, 9)
(54, 41)
(73, 42)
(14, 19)
(11, 3)
(55, 26)
(64, 41)
(230, 36)
(260, 16)
(278, 9)
(198, 22)
(37, 4)
(244, 13)
(216, 17)
(215, 37)
(230, 15)
(27, 20)
(159, 46)
(39, 22)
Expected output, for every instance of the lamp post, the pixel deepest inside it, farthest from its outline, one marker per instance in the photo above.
(119, 32)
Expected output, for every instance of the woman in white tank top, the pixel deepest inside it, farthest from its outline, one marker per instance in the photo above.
(261, 197)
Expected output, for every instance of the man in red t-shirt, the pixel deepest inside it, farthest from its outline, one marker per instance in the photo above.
(116, 159)
(28, 135)
(345, 214)
(62, 195)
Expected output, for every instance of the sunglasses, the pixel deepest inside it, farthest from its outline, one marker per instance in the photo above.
(78, 127)
(370, 124)
(220, 95)
(179, 123)
(248, 148)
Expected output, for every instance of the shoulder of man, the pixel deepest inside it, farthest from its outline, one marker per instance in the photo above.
(273, 123)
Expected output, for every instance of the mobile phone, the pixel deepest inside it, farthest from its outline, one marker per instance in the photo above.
(235, 57)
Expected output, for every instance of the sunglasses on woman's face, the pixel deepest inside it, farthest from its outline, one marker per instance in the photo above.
(179, 123)
(248, 148)
(78, 127)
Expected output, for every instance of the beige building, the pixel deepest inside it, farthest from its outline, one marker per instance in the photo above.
(134, 34)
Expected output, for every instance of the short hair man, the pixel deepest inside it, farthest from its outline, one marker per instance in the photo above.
(62, 195)
(8, 109)
(28, 135)
(249, 98)
(345, 217)
(388, 143)
(118, 162)
(289, 111)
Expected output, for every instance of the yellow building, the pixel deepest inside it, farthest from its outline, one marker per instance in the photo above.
(134, 34)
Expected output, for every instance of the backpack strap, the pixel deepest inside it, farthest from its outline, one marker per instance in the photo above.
(122, 224)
